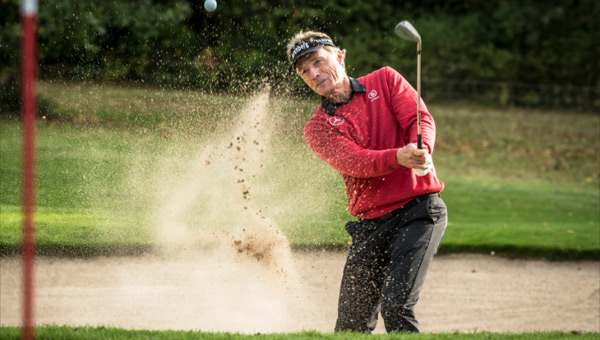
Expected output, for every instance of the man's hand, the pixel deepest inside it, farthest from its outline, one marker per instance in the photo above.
(411, 157)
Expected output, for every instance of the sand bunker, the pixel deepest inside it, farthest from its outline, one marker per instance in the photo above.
(221, 291)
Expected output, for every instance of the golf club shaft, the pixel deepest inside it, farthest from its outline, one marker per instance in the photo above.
(419, 141)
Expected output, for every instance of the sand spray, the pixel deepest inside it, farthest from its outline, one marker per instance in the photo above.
(219, 184)
(209, 211)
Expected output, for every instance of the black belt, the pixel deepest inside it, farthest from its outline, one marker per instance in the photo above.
(397, 212)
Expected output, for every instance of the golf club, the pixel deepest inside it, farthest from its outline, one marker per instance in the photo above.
(408, 32)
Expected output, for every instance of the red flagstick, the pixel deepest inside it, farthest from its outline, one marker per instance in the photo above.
(28, 79)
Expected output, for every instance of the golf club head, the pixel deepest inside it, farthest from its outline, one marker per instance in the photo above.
(408, 32)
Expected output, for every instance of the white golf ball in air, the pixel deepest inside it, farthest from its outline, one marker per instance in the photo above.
(210, 5)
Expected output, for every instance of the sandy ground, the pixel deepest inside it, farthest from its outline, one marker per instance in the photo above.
(218, 291)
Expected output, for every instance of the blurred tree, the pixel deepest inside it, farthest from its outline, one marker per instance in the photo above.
(509, 52)
(9, 70)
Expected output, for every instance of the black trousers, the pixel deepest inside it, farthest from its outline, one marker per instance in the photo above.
(387, 265)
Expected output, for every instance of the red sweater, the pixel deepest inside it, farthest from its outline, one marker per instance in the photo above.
(361, 138)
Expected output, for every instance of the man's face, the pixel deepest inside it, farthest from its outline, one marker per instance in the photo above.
(322, 71)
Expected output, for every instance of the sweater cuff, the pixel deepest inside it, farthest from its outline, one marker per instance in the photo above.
(389, 159)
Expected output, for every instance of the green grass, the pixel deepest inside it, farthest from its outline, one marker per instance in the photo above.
(168, 112)
(528, 144)
(76, 232)
(521, 218)
(102, 333)
(518, 182)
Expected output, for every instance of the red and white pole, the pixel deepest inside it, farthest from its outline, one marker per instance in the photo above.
(29, 9)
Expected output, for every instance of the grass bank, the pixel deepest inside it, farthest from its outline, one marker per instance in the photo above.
(101, 333)
(518, 182)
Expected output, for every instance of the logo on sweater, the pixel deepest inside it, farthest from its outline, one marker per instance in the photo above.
(373, 95)
(335, 121)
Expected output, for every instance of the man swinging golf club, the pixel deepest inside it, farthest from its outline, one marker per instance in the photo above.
(367, 129)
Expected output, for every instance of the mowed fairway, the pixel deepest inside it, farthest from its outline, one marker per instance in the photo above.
(134, 171)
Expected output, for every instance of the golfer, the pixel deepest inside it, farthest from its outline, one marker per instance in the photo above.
(366, 129)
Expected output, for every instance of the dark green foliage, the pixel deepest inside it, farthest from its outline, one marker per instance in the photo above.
(527, 53)
(117, 40)
(9, 42)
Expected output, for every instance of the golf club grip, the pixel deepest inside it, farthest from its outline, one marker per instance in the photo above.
(419, 142)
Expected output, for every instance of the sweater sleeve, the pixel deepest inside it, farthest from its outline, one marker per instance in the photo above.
(345, 155)
(404, 105)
